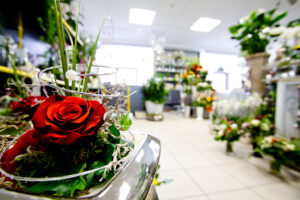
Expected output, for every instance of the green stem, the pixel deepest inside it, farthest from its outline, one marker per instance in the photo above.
(18, 83)
(75, 46)
(92, 58)
(61, 39)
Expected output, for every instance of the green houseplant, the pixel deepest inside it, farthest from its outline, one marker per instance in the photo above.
(253, 36)
(252, 31)
(155, 95)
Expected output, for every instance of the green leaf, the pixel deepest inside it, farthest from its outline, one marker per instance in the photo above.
(113, 129)
(110, 149)
(11, 131)
(5, 111)
(90, 177)
(61, 188)
(278, 17)
(125, 122)
(234, 29)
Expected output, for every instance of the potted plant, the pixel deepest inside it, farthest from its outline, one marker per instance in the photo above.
(155, 96)
(253, 35)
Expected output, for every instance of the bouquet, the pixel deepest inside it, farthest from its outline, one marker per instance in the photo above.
(284, 152)
(228, 131)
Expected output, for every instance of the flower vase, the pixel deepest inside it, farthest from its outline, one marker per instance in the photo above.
(229, 150)
(275, 167)
(256, 63)
(154, 108)
(187, 111)
(199, 113)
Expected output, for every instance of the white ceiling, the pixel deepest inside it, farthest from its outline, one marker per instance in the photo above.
(174, 19)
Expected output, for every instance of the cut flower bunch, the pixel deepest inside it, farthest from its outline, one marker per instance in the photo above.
(79, 140)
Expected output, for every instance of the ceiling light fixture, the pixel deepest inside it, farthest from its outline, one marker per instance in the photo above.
(141, 16)
(204, 24)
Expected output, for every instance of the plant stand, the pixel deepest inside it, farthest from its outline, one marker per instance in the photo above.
(257, 63)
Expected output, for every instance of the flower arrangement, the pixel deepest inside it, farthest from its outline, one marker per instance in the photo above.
(78, 139)
(228, 131)
(284, 152)
(251, 30)
(155, 90)
(194, 74)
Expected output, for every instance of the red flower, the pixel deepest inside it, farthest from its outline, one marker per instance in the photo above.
(27, 105)
(64, 120)
(274, 139)
(29, 138)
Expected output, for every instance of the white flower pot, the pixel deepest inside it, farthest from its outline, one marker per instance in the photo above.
(199, 112)
(154, 108)
(187, 111)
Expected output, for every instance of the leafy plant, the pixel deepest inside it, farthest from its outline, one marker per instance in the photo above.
(250, 31)
(155, 90)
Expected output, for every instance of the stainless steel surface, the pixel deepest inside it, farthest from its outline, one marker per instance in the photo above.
(134, 181)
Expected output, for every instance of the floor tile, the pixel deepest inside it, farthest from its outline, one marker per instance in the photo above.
(168, 162)
(182, 186)
(197, 198)
(236, 195)
(220, 157)
(193, 160)
(278, 191)
(214, 179)
(250, 175)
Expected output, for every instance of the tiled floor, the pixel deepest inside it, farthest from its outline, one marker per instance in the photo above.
(200, 169)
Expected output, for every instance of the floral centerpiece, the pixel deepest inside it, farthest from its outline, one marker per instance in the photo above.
(77, 140)
(282, 151)
(228, 131)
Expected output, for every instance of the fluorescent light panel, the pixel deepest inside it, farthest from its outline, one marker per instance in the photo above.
(204, 24)
(141, 16)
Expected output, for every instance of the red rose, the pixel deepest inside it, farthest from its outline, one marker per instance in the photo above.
(64, 120)
(29, 138)
(27, 105)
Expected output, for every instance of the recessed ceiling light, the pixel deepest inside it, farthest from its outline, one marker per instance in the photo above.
(204, 24)
(141, 16)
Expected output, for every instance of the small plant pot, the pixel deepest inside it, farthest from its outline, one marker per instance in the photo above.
(187, 111)
(275, 167)
(199, 113)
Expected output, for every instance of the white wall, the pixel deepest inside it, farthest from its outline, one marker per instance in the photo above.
(232, 64)
(135, 64)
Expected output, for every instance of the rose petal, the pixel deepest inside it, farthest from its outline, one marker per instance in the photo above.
(29, 138)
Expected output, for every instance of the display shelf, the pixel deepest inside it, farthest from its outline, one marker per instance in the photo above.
(172, 63)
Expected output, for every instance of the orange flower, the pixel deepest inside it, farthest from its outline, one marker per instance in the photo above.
(208, 108)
